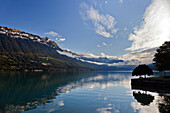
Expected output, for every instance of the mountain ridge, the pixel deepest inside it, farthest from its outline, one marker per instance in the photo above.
(20, 50)
(24, 51)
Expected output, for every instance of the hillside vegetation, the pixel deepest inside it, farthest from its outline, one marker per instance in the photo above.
(26, 53)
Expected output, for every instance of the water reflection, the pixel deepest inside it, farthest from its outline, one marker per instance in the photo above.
(25, 91)
(151, 99)
(143, 98)
(161, 104)
(164, 103)
(97, 92)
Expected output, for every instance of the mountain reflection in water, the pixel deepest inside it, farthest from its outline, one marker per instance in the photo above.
(24, 91)
(100, 92)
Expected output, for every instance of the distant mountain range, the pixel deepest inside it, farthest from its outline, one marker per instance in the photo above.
(24, 51)
(93, 59)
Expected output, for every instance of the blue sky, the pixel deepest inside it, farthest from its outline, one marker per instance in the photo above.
(112, 27)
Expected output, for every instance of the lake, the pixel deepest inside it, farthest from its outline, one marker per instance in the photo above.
(77, 92)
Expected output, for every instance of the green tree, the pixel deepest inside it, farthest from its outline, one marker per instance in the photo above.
(142, 70)
(162, 57)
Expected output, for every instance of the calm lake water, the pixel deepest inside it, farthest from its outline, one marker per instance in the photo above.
(78, 92)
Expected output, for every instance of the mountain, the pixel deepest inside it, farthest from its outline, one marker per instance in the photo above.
(24, 51)
(20, 50)
(127, 62)
(104, 63)
(92, 59)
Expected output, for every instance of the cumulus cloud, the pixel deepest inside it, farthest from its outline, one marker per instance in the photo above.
(104, 24)
(155, 28)
(53, 34)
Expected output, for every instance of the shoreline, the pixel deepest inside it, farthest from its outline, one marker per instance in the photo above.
(154, 84)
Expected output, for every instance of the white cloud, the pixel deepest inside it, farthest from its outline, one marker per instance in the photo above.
(121, 1)
(90, 55)
(101, 55)
(132, 62)
(104, 24)
(104, 44)
(144, 57)
(155, 28)
(107, 56)
(98, 63)
(60, 39)
(66, 54)
(98, 45)
(53, 34)
(126, 62)
(135, 58)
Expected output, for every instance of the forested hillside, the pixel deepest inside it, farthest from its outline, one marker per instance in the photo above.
(27, 53)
